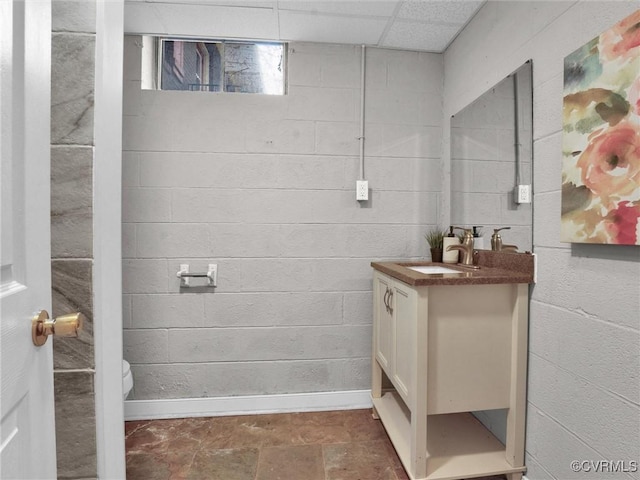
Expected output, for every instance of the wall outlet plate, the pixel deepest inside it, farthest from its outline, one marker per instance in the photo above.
(523, 194)
(362, 190)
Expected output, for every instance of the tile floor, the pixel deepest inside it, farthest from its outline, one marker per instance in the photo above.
(340, 445)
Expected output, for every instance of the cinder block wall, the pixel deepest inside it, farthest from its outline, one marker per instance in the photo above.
(584, 327)
(264, 186)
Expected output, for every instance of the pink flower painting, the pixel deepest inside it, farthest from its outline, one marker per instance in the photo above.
(601, 138)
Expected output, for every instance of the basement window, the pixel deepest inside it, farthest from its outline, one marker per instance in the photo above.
(220, 66)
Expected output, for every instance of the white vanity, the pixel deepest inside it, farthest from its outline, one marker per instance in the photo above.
(447, 344)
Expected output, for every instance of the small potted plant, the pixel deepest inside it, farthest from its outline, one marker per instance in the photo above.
(434, 238)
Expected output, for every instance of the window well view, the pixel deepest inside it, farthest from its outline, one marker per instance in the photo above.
(222, 66)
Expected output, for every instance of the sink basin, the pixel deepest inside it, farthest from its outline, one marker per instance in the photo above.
(434, 269)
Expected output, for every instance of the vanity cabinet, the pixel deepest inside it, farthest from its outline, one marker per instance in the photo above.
(394, 300)
(441, 351)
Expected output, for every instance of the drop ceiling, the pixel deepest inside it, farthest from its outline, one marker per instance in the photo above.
(426, 25)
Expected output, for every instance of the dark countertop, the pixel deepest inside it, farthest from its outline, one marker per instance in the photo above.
(495, 268)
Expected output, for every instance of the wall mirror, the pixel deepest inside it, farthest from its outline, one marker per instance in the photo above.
(491, 161)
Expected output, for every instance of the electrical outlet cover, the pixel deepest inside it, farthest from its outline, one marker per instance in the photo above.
(362, 190)
(523, 194)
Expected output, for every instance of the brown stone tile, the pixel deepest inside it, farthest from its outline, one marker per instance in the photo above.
(335, 417)
(267, 422)
(180, 456)
(133, 425)
(358, 461)
(159, 435)
(363, 427)
(197, 428)
(396, 464)
(319, 435)
(401, 473)
(150, 437)
(291, 463)
(255, 431)
(336, 427)
(223, 422)
(224, 464)
(224, 437)
(341, 445)
(146, 466)
(320, 427)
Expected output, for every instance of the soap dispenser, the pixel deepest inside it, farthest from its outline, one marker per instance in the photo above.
(450, 256)
(496, 239)
(478, 240)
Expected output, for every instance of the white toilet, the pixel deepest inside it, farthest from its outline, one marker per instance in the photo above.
(127, 379)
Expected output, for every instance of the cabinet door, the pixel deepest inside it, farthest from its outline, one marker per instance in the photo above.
(404, 312)
(382, 322)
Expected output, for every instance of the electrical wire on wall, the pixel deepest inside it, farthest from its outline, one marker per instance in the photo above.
(362, 105)
(362, 186)
(521, 191)
(516, 133)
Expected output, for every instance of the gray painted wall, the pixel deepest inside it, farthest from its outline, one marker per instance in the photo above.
(584, 328)
(264, 186)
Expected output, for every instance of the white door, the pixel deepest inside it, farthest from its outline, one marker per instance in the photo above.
(27, 444)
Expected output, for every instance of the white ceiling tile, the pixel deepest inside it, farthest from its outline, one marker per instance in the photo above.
(307, 27)
(219, 3)
(201, 20)
(323, 21)
(419, 36)
(439, 11)
(379, 8)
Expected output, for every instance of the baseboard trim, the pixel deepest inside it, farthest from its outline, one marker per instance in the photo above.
(246, 405)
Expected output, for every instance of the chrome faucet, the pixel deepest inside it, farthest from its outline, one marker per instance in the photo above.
(496, 242)
(465, 248)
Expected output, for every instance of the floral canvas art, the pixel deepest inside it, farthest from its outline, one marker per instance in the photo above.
(601, 138)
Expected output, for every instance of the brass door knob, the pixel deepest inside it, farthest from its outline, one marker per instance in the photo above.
(64, 326)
